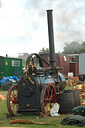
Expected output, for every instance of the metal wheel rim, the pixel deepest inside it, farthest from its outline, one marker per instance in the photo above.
(13, 100)
(49, 97)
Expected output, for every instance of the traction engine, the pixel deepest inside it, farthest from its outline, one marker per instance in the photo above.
(37, 89)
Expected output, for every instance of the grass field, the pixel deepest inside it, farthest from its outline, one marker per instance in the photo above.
(4, 121)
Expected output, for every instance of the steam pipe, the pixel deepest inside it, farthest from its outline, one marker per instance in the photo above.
(51, 38)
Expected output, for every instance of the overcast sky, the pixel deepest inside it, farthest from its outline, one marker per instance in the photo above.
(23, 24)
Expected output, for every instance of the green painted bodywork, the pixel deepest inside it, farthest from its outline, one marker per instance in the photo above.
(10, 67)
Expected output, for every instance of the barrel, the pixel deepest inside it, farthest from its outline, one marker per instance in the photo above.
(68, 100)
(76, 95)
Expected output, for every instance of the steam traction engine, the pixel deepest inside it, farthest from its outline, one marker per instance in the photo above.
(38, 87)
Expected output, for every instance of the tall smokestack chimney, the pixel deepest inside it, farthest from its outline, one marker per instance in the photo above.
(51, 38)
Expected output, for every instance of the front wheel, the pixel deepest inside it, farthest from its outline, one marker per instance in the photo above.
(12, 100)
(48, 98)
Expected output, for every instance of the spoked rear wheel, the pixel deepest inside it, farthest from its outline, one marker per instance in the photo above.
(12, 100)
(48, 98)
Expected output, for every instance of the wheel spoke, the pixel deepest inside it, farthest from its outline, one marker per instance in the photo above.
(52, 92)
(53, 96)
(13, 107)
(46, 100)
(48, 91)
(11, 94)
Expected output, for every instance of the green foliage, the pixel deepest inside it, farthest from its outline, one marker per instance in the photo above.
(44, 50)
(72, 48)
(82, 47)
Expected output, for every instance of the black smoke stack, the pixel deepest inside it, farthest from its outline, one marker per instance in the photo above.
(51, 38)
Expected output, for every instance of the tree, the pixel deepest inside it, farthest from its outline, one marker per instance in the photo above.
(72, 48)
(82, 47)
(44, 50)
